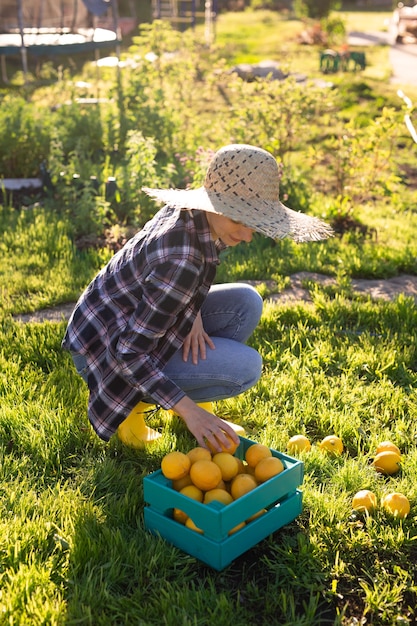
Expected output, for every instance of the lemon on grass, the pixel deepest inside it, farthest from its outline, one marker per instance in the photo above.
(268, 468)
(387, 445)
(255, 453)
(387, 462)
(364, 500)
(332, 444)
(205, 475)
(396, 504)
(175, 465)
(298, 443)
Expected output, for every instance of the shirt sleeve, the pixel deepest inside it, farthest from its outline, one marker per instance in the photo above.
(162, 319)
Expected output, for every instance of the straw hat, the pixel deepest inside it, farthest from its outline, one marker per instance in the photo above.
(242, 183)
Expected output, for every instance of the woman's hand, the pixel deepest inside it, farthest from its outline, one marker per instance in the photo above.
(196, 341)
(206, 427)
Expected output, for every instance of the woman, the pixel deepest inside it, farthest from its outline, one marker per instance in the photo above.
(152, 328)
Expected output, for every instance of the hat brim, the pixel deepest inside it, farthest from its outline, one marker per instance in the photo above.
(272, 219)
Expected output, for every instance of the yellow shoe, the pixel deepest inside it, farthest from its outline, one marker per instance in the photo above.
(133, 431)
(239, 430)
(207, 406)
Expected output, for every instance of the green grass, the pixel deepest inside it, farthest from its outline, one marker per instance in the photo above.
(239, 34)
(73, 547)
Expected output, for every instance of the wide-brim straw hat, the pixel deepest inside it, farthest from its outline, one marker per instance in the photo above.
(242, 183)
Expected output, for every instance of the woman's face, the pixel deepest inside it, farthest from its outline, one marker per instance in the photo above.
(230, 232)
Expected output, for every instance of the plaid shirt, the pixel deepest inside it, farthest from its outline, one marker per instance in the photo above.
(137, 312)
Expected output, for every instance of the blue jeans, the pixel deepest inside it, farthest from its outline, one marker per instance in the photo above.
(230, 314)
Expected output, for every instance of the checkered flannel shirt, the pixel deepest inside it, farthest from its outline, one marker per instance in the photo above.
(137, 312)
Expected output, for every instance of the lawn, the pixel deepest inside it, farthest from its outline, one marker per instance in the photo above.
(74, 549)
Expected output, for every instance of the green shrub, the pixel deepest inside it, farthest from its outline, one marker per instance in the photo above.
(315, 9)
(271, 5)
(25, 133)
(359, 160)
(138, 169)
(80, 129)
(275, 114)
(335, 29)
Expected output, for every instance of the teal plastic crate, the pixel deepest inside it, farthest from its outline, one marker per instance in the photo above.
(279, 495)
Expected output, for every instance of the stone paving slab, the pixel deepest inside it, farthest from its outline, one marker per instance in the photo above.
(402, 56)
(378, 289)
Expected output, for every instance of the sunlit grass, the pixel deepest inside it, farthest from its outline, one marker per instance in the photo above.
(240, 36)
(72, 537)
(73, 547)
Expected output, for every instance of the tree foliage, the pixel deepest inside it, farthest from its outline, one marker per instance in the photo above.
(316, 9)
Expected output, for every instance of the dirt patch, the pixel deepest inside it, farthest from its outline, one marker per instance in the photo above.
(58, 313)
(383, 289)
(378, 289)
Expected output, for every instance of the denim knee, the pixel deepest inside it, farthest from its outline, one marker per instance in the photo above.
(80, 362)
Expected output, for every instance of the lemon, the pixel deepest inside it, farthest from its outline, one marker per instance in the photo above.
(242, 484)
(234, 530)
(298, 443)
(364, 500)
(175, 465)
(190, 524)
(332, 444)
(182, 482)
(387, 445)
(193, 492)
(230, 447)
(255, 453)
(241, 465)
(180, 516)
(387, 462)
(205, 475)
(199, 453)
(228, 465)
(396, 504)
(268, 468)
(256, 515)
(220, 495)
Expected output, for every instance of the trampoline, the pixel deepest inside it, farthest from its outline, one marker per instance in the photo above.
(56, 27)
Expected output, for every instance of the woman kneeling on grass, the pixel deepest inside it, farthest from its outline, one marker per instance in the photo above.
(152, 328)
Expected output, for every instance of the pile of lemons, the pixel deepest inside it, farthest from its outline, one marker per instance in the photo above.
(332, 444)
(387, 462)
(205, 476)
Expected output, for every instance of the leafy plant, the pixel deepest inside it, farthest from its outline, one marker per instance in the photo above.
(161, 96)
(138, 169)
(276, 114)
(24, 138)
(315, 9)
